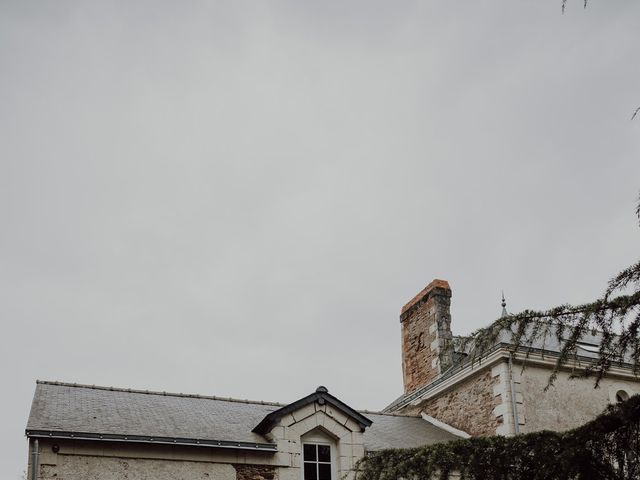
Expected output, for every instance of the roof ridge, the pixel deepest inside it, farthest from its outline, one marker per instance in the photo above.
(389, 414)
(153, 392)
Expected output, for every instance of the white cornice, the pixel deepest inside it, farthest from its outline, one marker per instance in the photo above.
(546, 360)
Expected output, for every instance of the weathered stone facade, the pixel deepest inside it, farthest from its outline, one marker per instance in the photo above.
(120, 462)
(500, 397)
(469, 406)
(255, 472)
(569, 402)
(426, 331)
(104, 468)
(495, 396)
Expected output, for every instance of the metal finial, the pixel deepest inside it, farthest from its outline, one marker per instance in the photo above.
(504, 306)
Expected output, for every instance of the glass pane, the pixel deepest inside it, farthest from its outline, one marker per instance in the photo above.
(310, 471)
(325, 471)
(324, 453)
(309, 452)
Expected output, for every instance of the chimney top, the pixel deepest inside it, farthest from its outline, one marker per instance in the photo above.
(424, 294)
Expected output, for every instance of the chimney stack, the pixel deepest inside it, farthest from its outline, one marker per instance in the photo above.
(426, 334)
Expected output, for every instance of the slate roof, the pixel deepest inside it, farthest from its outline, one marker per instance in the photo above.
(156, 417)
(402, 431)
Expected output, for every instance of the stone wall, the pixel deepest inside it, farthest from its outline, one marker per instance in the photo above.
(86, 460)
(426, 331)
(468, 406)
(255, 472)
(73, 467)
(497, 399)
(569, 403)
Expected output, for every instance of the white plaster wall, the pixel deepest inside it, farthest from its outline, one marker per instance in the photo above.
(569, 403)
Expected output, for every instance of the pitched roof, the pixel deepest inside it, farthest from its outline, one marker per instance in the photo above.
(104, 413)
(402, 431)
(70, 408)
(322, 396)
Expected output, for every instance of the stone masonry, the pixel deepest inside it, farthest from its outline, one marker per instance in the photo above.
(468, 407)
(255, 472)
(79, 467)
(426, 333)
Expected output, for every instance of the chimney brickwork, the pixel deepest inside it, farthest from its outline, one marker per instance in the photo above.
(426, 334)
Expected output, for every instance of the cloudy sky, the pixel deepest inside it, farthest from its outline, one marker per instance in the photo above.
(237, 198)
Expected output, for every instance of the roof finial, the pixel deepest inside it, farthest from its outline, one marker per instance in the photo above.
(504, 306)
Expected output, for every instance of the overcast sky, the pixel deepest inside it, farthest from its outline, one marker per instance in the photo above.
(237, 198)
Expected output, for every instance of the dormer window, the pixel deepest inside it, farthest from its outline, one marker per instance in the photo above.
(317, 461)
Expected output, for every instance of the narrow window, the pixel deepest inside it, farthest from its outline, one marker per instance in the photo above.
(317, 461)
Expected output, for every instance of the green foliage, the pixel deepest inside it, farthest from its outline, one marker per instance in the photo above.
(612, 320)
(605, 448)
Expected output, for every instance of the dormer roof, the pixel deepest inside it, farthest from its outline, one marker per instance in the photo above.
(321, 397)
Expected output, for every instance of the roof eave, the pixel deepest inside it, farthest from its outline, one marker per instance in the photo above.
(150, 440)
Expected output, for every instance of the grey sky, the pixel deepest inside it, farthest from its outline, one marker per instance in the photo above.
(237, 198)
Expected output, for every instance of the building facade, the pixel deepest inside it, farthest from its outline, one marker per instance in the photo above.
(495, 395)
(82, 432)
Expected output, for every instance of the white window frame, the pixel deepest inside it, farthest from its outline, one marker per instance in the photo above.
(316, 437)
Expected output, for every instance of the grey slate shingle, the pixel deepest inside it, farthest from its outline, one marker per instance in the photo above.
(99, 410)
(64, 407)
(397, 431)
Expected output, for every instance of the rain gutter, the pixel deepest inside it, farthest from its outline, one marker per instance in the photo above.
(146, 439)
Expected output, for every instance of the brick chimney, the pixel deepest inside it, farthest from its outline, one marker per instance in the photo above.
(426, 332)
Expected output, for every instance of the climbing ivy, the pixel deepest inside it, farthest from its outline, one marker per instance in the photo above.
(605, 448)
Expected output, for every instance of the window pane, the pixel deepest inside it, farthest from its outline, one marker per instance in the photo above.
(325, 471)
(310, 471)
(309, 452)
(324, 453)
